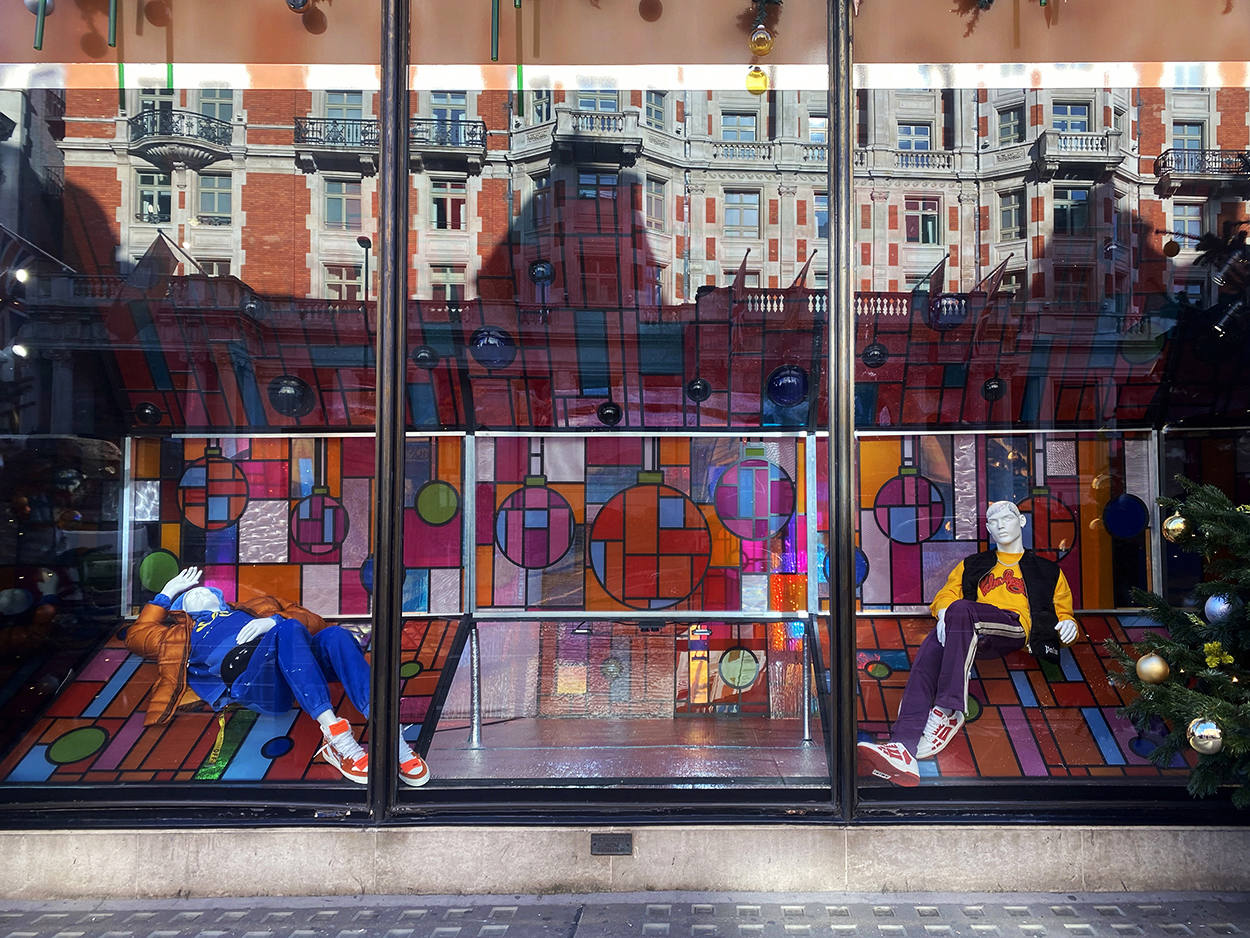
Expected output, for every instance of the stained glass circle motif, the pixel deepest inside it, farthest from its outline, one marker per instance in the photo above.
(739, 667)
(319, 523)
(534, 527)
(1051, 531)
(909, 508)
(437, 502)
(1125, 516)
(212, 492)
(754, 499)
(650, 546)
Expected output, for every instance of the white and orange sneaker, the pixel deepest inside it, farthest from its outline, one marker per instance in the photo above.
(890, 761)
(939, 730)
(342, 751)
(412, 768)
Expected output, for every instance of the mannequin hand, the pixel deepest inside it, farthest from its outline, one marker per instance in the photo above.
(255, 629)
(47, 582)
(941, 627)
(181, 582)
(1067, 631)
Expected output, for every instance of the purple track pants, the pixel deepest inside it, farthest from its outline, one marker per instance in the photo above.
(939, 673)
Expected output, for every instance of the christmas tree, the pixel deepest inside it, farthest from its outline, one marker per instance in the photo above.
(1195, 674)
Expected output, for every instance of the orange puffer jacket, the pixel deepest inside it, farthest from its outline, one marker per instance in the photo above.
(164, 636)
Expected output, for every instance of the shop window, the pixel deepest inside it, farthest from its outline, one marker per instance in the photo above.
(449, 198)
(155, 198)
(742, 214)
(655, 203)
(1072, 118)
(342, 205)
(343, 282)
(655, 109)
(915, 137)
(1011, 215)
(214, 200)
(737, 127)
(217, 102)
(1071, 211)
(920, 218)
(1011, 125)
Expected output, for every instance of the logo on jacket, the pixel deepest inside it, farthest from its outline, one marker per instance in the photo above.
(1014, 584)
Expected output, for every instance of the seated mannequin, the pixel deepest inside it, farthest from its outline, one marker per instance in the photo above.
(993, 603)
(265, 663)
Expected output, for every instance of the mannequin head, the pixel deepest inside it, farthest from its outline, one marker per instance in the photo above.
(1006, 526)
(201, 599)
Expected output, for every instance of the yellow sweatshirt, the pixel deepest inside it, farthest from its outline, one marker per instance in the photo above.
(1003, 587)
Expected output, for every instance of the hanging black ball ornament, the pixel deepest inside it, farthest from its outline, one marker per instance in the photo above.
(698, 390)
(994, 389)
(609, 413)
(424, 356)
(148, 413)
(875, 355)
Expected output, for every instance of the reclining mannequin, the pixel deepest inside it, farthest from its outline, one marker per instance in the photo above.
(993, 603)
(265, 655)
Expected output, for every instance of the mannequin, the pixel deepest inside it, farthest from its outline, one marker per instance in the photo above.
(267, 663)
(993, 603)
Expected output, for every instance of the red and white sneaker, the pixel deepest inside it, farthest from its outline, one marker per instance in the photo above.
(412, 768)
(890, 761)
(342, 751)
(939, 730)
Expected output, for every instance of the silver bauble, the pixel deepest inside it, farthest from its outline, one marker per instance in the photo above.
(1219, 608)
(1205, 736)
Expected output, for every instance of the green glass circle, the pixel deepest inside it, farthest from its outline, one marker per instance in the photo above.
(973, 711)
(157, 569)
(77, 745)
(437, 503)
(878, 669)
(739, 668)
(410, 669)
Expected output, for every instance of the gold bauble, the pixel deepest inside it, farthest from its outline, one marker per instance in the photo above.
(1176, 527)
(761, 41)
(1152, 669)
(757, 81)
(1205, 736)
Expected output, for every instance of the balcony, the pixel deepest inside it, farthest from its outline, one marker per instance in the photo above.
(597, 136)
(170, 139)
(1225, 170)
(447, 144)
(742, 152)
(890, 162)
(332, 143)
(1069, 155)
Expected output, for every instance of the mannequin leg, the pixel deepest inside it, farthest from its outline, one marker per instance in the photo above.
(339, 656)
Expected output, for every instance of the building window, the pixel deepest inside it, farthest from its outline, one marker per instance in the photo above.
(653, 285)
(742, 214)
(154, 198)
(449, 204)
(541, 202)
(217, 102)
(750, 280)
(817, 128)
(596, 99)
(737, 127)
(214, 200)
(540, 107)
(343, 282)
(1013, 287)
(447, 284)
(1011, 215)
(1187, 221)
(655, 204)
(449, 109)
(920, 217)
(861, 117)
(820, 280)
(1011, 125)
(1193, 292)
(215, 268)
(1071, 211)
(156, 99)
(915, 136)
(1117, 119)
(1187, 140)
(1073, 118)
(655, 109)
(821, 209)
(344, 105)
(1072, 284)
(596, 185)
(343, 205)
(600, 280)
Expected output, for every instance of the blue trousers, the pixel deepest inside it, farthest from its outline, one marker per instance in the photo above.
(292, 666)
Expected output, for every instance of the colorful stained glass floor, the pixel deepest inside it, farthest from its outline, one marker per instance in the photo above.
(1027, 719)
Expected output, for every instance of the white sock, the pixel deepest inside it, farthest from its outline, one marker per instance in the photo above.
(325, 719)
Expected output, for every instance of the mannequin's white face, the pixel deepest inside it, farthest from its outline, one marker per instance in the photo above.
(200, 599)
(1006, 528)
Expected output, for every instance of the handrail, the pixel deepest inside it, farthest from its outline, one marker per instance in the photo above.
(337, 132)
(159, 123)
(1204, 162)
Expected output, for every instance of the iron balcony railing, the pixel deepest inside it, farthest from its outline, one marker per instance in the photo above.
(157, 123)
(1203, 162)
(363, 134)
(337, 132)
